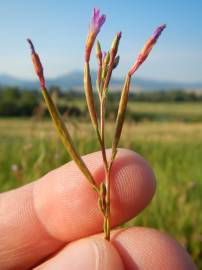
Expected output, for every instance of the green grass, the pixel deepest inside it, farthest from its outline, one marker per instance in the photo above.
(176, 206)
(175, 108)
(166, 111)
(149, 111)
(29, 149)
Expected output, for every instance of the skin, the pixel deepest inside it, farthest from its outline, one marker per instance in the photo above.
(54, 222)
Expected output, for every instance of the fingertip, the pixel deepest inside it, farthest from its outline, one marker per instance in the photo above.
(89, 253)
(134, 184)
(143, 248)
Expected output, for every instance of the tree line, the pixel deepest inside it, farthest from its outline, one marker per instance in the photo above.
(23, 102)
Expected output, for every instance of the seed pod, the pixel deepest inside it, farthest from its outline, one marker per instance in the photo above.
(120, 115)
(89, 95)
(66, 138)
(59, 123)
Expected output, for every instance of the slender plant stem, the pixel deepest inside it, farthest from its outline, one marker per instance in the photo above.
(91, 107)
(66, 138)
(102, 119)
(99, 133)
(104, 156)
(99, 79)
(107, 176)
(108, 209)
(107, 219)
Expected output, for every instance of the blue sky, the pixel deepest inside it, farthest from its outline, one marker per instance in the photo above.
(58, 29)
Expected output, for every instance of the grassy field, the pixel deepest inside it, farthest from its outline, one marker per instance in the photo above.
(163, 111)
(29, 148)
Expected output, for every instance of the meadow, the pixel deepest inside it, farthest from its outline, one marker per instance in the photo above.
(171, 142)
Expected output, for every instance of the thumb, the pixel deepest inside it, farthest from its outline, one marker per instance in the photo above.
(89, 253)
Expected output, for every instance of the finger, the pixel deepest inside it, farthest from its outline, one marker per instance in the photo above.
(89, 253)
(148, 249)
(37, 219)
(130, 249)
(66, 205)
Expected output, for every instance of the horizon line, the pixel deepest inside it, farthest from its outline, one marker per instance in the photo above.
(94, 71)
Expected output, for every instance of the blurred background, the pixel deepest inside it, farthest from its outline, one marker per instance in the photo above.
(164, 117)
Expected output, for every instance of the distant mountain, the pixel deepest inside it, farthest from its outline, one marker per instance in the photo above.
(7, 80)
(74, 80)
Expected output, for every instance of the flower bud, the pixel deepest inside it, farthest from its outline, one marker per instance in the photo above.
(37, 64)
(115, 44)
(105, 65)
(96, 23)
(147, 49)
(99, 52)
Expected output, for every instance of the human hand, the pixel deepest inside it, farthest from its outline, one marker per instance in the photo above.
(41, 223)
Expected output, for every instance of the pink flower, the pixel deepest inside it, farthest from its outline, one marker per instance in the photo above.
(147, 49)
(158, 31)
(96, 23)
